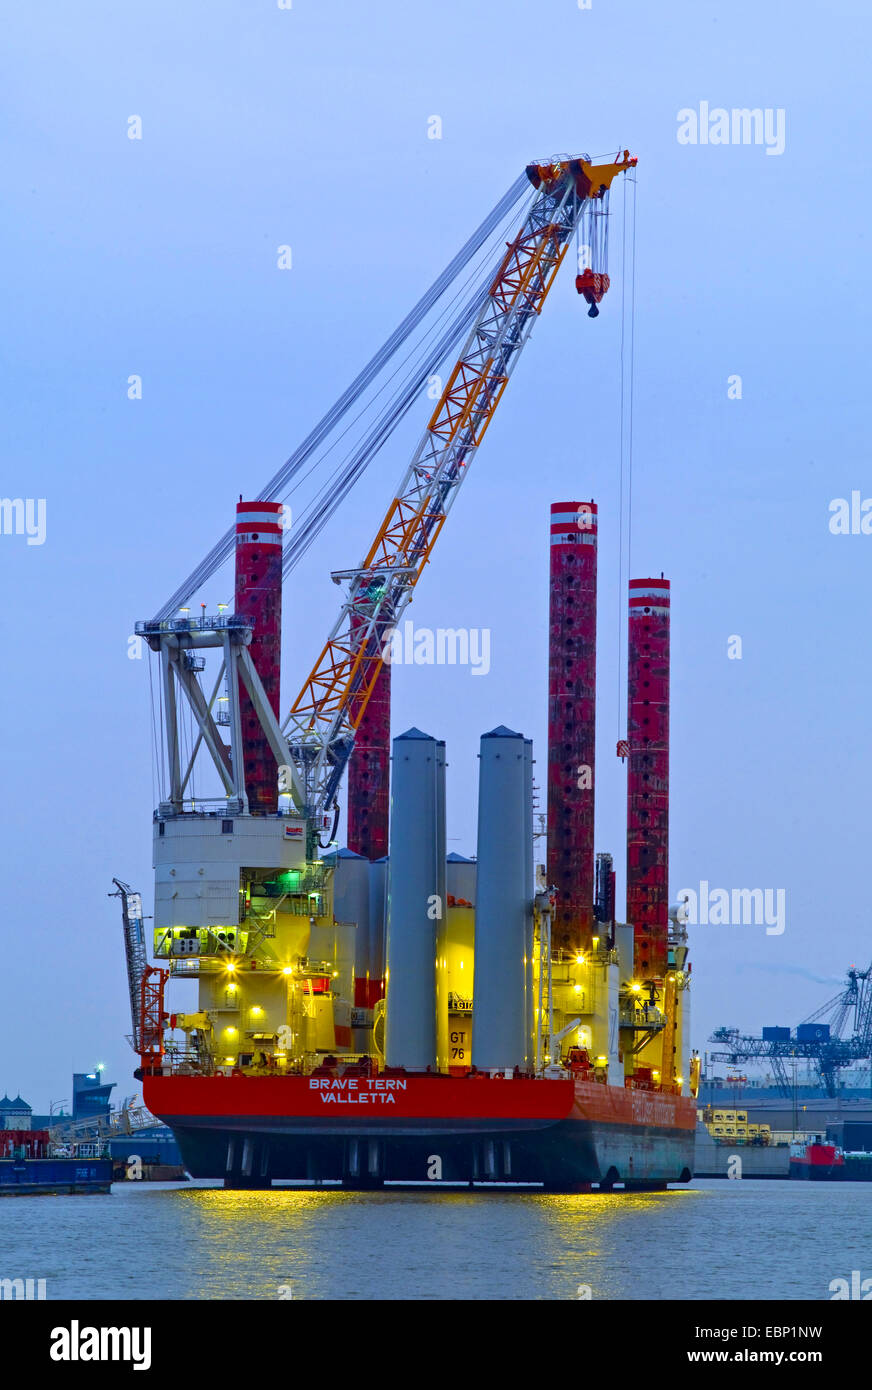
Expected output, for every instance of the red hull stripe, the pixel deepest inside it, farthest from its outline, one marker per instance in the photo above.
(422, 1098)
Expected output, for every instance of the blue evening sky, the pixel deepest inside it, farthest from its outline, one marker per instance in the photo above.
(263, 126)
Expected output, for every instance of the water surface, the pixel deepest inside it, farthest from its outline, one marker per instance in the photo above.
(713, 1239)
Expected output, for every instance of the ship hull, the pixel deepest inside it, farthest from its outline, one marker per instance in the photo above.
(366, 1131)
(33, 1177)
(817, 1163)
(815, 1172)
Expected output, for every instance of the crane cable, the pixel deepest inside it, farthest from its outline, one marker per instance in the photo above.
(355, 461)
(279, 482)
(156, 765)
(626, 437)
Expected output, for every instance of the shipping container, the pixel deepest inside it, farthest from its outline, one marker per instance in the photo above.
(813, 1032)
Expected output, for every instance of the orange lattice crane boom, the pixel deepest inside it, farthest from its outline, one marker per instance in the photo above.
(320, 726)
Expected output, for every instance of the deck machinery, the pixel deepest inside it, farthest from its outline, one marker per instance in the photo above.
(413, 1015)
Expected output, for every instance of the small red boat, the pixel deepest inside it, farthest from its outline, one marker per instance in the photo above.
(816, 1161)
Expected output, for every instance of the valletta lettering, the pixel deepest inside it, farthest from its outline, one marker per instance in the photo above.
(354, 1090)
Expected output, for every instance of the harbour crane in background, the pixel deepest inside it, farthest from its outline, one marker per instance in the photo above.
(835, 1036)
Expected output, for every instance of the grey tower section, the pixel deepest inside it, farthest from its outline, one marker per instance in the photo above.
(351, 903)
(416, 897)
(440, 893)
(378, 894)
(499, 1016)
(529, 893)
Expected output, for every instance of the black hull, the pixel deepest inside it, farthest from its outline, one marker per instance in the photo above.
(565, 1155)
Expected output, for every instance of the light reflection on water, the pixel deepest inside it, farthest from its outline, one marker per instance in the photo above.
(763, 1240)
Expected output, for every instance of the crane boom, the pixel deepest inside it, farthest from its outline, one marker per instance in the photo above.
(321, 724)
